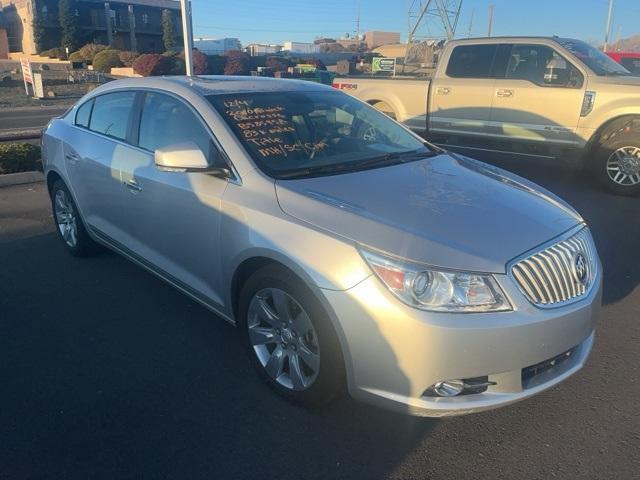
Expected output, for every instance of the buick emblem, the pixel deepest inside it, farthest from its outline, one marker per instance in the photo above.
(581, 268)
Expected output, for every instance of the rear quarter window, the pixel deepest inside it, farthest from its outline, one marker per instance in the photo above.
(83, 114)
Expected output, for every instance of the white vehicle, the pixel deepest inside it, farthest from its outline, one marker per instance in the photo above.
(550, 97)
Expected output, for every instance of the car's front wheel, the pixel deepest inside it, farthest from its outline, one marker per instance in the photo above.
(69, 225)
(289, 337)
(617, 162)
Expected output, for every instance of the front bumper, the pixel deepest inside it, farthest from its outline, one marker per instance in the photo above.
(393, 352)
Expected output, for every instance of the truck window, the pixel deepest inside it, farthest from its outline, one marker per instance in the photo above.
(543, 66)
(631, 64)
(471, 61)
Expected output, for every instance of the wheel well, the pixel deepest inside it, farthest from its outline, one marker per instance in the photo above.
(52, 177)
(602, 133)
(247, 268)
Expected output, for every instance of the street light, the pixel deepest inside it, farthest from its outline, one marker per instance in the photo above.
(187, 35)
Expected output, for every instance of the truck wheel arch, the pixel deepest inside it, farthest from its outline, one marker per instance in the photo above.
(601, 133)
(384, 107)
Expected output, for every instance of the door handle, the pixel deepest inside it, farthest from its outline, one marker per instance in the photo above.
(443, 91)
(72, 157)
(504, 93)
(133, 186)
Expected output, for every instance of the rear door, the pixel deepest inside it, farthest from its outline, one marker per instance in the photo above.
(95, 145)
(539, 96)
(461, 96)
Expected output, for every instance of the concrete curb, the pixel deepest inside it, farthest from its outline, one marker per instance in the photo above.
(21, 178)
(21, 135)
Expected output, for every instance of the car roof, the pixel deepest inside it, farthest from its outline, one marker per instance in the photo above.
(218, 84)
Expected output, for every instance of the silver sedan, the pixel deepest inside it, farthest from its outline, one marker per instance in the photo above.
(353, 256)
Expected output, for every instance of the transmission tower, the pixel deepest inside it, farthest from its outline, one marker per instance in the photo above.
(430, 21)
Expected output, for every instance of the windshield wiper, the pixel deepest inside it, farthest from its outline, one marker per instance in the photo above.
(380, 160)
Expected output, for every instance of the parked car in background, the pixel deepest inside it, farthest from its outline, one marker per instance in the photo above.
(550, 97)
(629, 60)
(413, 278)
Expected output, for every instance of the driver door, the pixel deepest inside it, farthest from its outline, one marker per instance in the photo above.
(540, 97)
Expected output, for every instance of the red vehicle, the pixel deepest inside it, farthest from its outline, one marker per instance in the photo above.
(629, 60)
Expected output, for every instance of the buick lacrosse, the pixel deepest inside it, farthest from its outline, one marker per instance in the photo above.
(353, 256)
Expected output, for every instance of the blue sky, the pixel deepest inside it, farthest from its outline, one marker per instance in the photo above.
(302, 20)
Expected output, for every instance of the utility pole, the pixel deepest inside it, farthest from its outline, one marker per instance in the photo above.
(607, 31)
(187, 35)
(490, 26)
(473, 12)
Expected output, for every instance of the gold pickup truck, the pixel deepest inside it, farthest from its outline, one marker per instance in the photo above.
(538, 97)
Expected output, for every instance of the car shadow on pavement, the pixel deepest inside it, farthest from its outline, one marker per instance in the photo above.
(108, 372)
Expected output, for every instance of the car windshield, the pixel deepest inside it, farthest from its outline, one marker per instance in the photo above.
(304, 134)
(593, 58)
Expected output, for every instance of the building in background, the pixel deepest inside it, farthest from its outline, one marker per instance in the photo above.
(258, 49)
(376, 38)
(216, 46)
(300, 47)
(127, 25)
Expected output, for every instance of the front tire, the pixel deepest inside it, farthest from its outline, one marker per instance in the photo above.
(617, 162)
(289, 337)
(69, 225)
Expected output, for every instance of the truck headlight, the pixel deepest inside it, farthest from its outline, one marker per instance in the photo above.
(437, 290)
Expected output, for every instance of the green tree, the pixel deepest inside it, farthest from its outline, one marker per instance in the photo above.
(168, 32)
(38, 32)
(69, 24)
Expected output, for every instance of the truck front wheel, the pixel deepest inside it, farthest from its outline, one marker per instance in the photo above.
(617, 161)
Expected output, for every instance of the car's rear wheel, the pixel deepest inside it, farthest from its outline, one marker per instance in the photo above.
(69, 225)
(289, 337)
(617, 162)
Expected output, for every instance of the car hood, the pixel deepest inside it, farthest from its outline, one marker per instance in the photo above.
(447, 211)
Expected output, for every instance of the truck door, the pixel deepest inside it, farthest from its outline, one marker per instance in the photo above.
(461, 96)
(538, 98)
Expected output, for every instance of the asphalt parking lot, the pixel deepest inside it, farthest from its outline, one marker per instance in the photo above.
(106, 372)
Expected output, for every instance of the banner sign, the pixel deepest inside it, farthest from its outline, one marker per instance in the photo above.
(383, 64)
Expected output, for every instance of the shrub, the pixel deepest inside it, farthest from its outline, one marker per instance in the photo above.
(76, 57)
(237, 63)
(319, 64)
(200, 63)
(176, 66)
(105, 60)
(88, 52)
(57, 52)
(152, 64)
(19, 157)
(127, 58)
(216, 64)
(278, 64)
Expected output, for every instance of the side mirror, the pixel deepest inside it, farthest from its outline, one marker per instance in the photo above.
(186, 157)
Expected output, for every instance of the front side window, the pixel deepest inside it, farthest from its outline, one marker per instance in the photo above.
(301, 134)
(83, 114)
(166, 121)
(543, 66)
(111, 112)
(471, 61)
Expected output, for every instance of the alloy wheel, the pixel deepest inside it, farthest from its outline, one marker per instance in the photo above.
(623, 166)
(283, 339)
(66, 218)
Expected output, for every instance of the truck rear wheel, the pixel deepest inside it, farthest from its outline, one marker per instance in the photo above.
(617, 162)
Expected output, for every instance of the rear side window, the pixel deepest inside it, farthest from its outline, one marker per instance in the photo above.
(111, 112)
(166, 121)
(471, 61)
(83, 114)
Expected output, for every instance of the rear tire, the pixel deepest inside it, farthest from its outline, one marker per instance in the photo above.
(69, 224)
(289, 337)
(616, 162)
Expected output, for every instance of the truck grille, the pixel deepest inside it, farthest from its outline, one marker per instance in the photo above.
(559, 273)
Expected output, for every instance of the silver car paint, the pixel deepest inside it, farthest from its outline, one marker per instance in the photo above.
(195, 230)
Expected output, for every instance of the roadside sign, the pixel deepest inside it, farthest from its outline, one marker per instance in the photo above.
(38, 89)
(383, 64)
(27, 74)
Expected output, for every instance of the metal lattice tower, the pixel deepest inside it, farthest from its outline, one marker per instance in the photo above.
(429, 21)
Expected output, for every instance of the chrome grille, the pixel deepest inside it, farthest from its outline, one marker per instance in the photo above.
(552, 276)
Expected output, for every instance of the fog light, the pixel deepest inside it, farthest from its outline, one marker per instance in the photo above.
(449, 388)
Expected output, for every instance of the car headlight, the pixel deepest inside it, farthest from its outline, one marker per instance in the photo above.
(437, 290)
